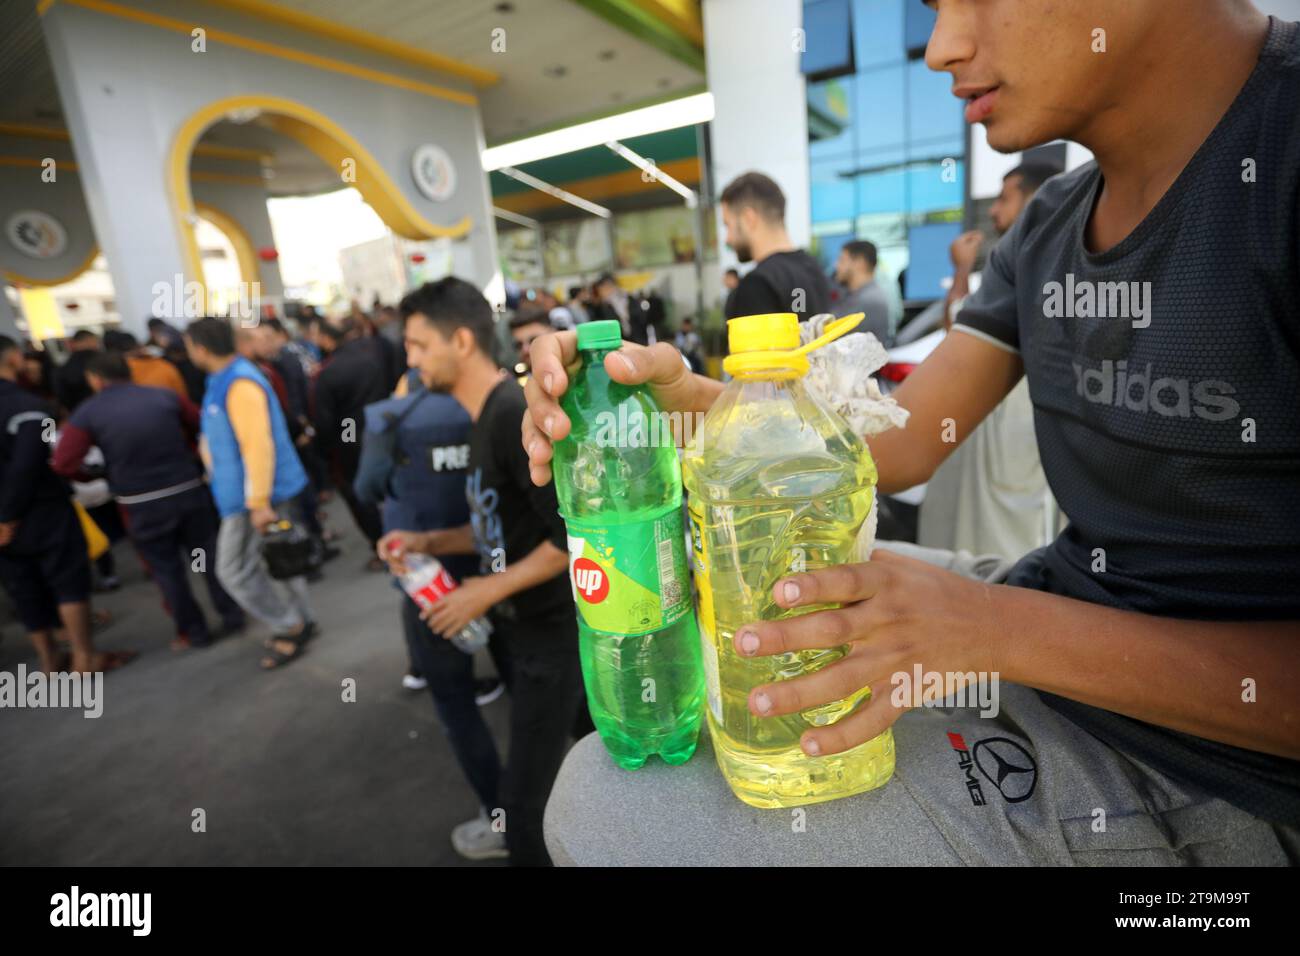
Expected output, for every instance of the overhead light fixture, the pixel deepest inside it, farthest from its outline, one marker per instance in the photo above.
(657, 174)
(687, 111)
(555, 191)
(514, 217)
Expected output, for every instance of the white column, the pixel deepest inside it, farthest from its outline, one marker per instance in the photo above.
(120, 145)
(760, 102)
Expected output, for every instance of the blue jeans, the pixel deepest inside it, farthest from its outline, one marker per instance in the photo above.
(450, 674)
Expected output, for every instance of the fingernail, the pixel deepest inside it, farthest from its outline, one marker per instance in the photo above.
(762, 703)
(627, 362)
(748, 642)
(790, 591)
(547, 380)
(811, 748)
(546, 425)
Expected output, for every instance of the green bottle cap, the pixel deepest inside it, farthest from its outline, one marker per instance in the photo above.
(605, 334)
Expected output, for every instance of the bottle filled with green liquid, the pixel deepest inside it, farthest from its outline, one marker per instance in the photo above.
(779, 484)
(619, 485)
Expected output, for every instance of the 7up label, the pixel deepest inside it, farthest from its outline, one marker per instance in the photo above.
(630, 579)
(590, 581)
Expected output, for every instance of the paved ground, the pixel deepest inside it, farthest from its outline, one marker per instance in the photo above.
(286, 771)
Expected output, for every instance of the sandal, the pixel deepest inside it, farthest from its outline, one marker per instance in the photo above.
(302, 637)
(277, 658)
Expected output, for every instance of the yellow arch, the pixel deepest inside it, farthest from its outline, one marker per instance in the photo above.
(331, 142)
(14, 279)
(245, 254)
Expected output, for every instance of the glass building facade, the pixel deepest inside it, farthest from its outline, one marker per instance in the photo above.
(887, 140)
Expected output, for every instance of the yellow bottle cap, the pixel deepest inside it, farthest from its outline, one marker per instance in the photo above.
(768, 345)
(763, 333)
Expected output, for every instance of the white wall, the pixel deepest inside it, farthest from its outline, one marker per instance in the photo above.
(760, 121)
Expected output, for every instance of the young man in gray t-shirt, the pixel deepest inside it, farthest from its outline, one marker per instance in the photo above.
(1148, 657)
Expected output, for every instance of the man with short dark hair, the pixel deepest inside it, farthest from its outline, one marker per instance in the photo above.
(516, 529)
(146, 363)
(255, 472)
(784, 278)
(356, 373)
(855, 270)
(70, 380)
(147, 435)
(1018, 187)
(611, 303)
(43, 560)
(525, 328)
(730, 279)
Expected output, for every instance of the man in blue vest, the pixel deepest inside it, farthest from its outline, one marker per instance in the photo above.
(146, 435)
(255, 472)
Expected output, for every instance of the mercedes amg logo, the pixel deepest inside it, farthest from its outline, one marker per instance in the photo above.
(1008, 766)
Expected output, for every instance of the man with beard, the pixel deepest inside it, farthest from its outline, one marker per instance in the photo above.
(784, 279)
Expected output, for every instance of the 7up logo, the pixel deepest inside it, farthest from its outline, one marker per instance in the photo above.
(590, 581)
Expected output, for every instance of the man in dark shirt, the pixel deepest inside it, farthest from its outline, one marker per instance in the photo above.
(1148, 655)
(784, 279)
(147, 436)
(43, 561)
(70, 380)
(356, 373)
(516, 529)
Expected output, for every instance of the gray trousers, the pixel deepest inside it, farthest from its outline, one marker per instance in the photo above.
(280, 605)
(1026, 786)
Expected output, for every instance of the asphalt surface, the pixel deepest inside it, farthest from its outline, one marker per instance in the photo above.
(285, 771)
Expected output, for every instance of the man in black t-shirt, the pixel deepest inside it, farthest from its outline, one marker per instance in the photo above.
(1148, 656)
(516, 529)
(784, 279)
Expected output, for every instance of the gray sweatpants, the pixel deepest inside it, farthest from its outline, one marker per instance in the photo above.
(1026, 786)
(280, 605)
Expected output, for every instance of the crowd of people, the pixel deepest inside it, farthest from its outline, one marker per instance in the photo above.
(208, 436)
(203, 438)
(1175, 561)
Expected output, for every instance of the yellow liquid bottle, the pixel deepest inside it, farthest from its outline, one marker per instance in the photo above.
(778, 484)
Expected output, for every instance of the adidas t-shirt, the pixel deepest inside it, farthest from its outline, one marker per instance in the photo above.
(1165, 379)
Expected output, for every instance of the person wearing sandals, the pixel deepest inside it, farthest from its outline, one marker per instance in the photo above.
(255, 476)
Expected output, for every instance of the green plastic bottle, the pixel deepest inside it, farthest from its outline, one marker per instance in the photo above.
(619, 486)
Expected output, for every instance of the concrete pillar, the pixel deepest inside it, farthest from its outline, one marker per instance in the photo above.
(119, 149)
(760, 121)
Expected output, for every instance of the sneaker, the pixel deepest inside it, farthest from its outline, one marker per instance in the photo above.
(411, 682)
(476, 840)
(487, 689)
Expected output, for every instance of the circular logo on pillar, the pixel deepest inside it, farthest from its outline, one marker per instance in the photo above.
(36, 234)
(433, 172)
